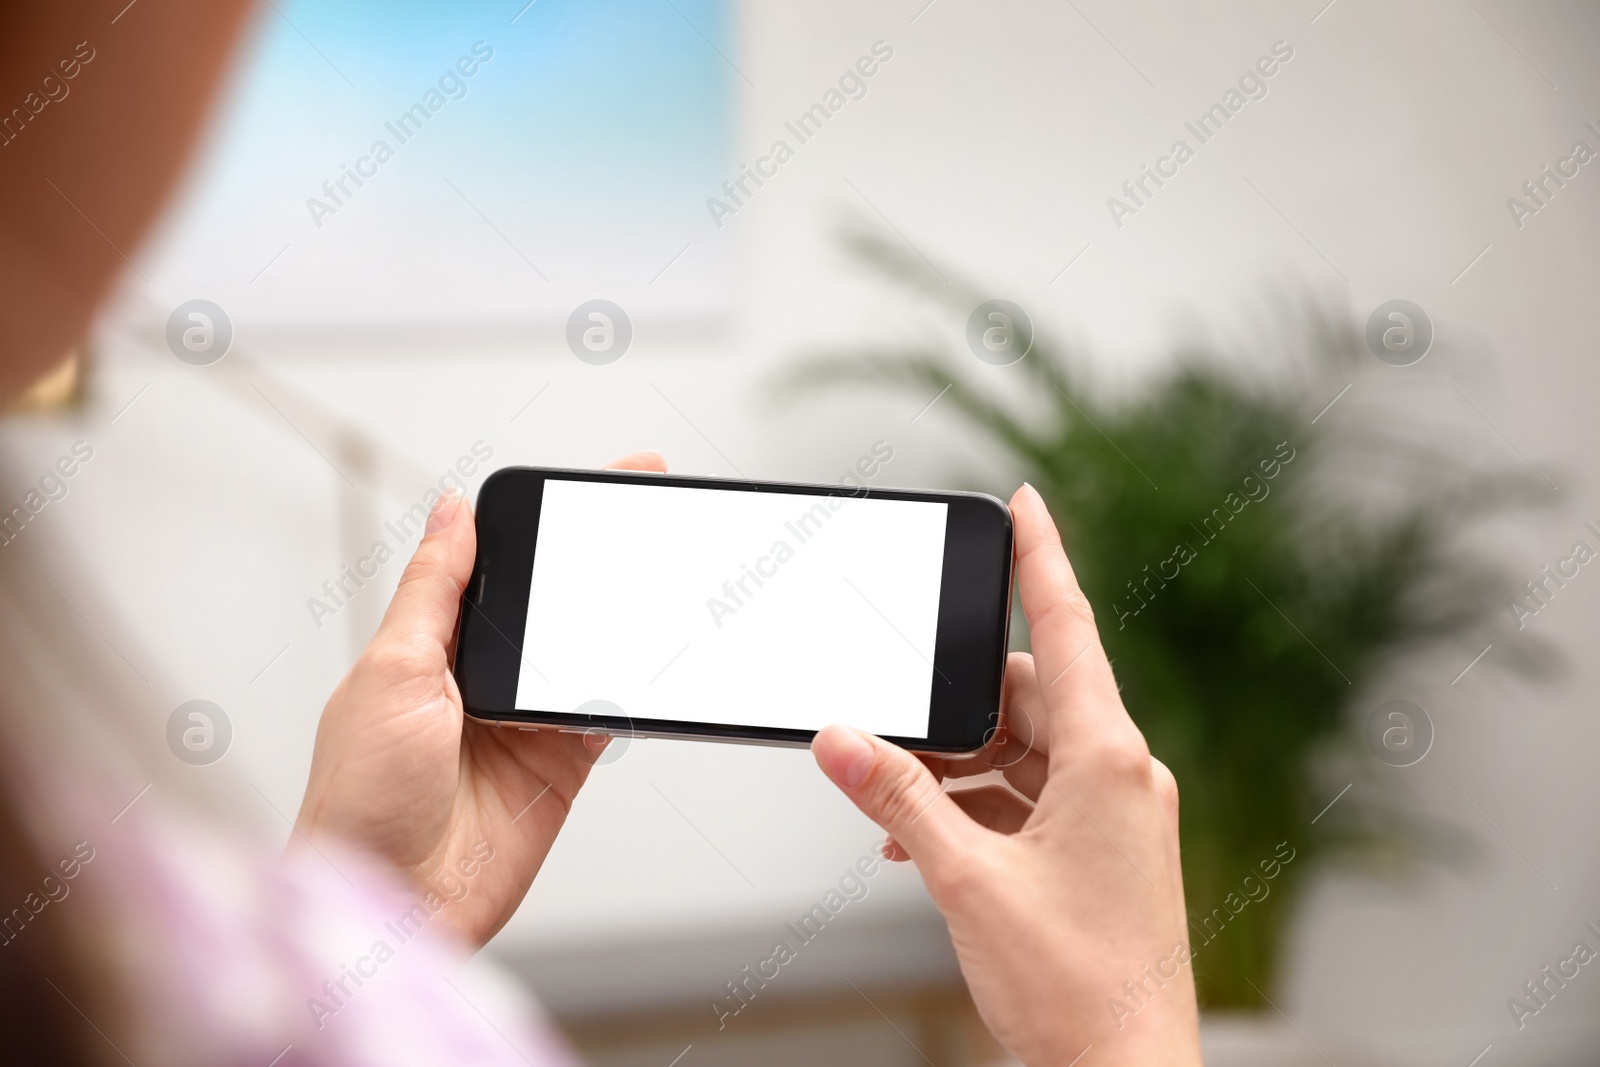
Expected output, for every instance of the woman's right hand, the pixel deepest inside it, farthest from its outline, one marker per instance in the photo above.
(1066, 909)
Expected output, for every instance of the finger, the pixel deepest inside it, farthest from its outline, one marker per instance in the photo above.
(649, 460)
(894, 790)
(1078, 690)
(541, 772)
(1019, 725)
(1029, 774)
(942, 767)
(1016, 746)
(1027, 769)
(993, 806)
(1166, 789)
(1023, 710)
(425, 605)
(1023, 755)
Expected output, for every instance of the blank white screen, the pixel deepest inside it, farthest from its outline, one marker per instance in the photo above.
(743, 608)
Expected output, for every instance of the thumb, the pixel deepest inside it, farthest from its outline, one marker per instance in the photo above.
(894, 790)
(425, 605)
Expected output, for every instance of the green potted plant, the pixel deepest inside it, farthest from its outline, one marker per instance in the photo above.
(1252, 608)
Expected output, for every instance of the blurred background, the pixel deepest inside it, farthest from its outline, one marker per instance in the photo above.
(1413, 551)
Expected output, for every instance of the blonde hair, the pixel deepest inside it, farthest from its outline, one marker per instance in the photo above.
(82, 734)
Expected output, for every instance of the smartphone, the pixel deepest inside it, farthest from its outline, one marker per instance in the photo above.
(643, 604)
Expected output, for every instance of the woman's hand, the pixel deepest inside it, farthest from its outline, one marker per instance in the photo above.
(1066, 909)
(399, 772)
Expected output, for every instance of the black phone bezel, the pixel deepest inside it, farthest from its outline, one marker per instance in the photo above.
(969, 647)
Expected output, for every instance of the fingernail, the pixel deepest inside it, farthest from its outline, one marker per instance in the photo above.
(847, 753)
(443, 513)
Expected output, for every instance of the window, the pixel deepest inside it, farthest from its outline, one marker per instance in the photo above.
(478, 163)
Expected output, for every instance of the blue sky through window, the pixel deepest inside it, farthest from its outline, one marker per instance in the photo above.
(581, 148)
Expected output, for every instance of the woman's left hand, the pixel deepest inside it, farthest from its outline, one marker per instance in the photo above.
(400, 772)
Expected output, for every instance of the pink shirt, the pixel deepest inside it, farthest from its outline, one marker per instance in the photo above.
(238, 956)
